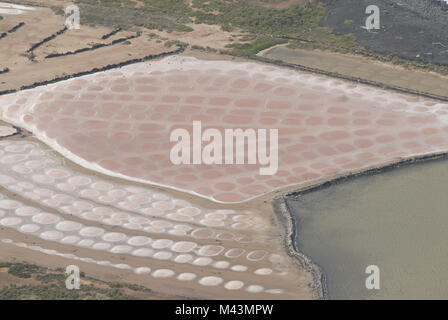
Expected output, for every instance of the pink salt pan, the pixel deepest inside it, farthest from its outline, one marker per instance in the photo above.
(327, 127)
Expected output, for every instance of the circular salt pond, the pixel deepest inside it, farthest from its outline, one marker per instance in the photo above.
(186, 276)
(234, 285)
(210, 281)
(6, 131)
(163, 273)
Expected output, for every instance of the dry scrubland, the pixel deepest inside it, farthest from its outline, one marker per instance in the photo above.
(29, 66)
(242, 28)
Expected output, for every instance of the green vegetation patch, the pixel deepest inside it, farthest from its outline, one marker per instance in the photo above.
(24, 270)
(169, 15)
(134, 287)
(255, 18)
(57, 10)
(51, 286)
(250, 49)
(60, 292)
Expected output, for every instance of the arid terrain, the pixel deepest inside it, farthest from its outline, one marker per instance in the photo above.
(86, 177)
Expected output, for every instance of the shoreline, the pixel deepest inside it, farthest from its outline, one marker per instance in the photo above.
(287, 217)
(287, 220)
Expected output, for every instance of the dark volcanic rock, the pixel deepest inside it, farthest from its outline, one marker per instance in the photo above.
(412, 29)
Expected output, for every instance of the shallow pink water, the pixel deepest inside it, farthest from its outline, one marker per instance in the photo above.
(119, 122)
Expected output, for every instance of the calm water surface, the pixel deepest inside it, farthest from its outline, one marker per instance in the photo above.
(396, 220)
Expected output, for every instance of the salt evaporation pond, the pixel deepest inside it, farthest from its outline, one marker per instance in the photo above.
(119, 122)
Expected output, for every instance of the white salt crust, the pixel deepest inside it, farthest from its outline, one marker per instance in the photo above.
(7, 131)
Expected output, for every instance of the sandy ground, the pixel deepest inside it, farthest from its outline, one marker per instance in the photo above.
(42, 23)
(362, 67)
(11, 253)
(204, 35)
